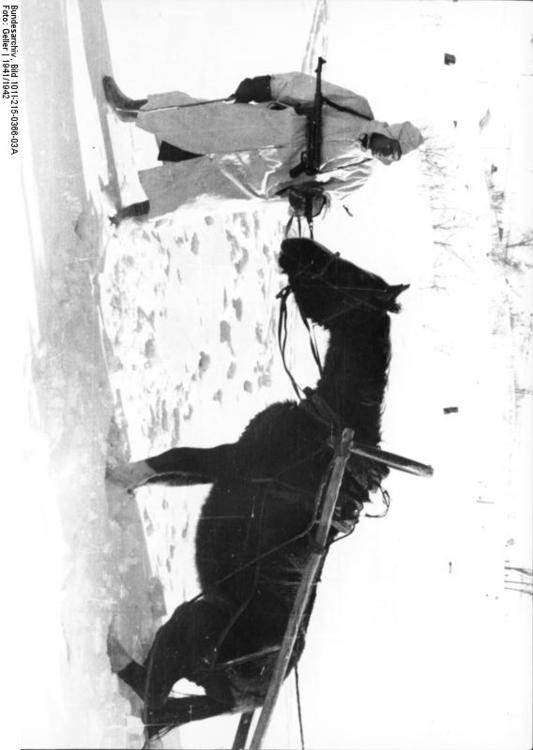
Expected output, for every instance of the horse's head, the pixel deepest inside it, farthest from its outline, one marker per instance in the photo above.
(327, 288)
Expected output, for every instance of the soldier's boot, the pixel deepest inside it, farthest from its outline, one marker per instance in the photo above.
(125, 107)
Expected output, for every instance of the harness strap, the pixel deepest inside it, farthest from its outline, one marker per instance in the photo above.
(282, 295)
(282, 339)
(267, 651)
(282, 336)
(318, 408)
(313, 344)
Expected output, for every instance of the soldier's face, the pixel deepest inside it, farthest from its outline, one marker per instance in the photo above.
(386, 150)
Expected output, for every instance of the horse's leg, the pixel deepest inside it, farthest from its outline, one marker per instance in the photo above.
(182, 647)
(134, 675)
(174, 711)
(177, 711)
(133, 211)
(179, 466)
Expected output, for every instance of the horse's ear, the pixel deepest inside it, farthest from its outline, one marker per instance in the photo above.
(397, 289)
(393, 293)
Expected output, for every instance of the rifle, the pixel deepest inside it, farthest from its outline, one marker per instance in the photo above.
(308, 199)
(311, 158)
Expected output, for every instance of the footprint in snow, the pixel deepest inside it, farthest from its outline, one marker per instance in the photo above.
(195, 244)
(237, 306)
(203, 363)
(259, 333)
(149, 349)
(225, 334)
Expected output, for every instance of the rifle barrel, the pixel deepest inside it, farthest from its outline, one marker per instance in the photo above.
(314, 147)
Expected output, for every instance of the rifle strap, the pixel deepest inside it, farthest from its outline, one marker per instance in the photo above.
(349, 110)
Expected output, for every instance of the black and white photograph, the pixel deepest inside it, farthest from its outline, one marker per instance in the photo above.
(267, 384)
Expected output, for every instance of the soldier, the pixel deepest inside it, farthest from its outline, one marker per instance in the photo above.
(231, 149)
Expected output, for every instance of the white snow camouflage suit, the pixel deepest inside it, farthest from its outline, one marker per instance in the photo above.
(249, 149)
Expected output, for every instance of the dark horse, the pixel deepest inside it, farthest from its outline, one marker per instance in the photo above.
(253, 537)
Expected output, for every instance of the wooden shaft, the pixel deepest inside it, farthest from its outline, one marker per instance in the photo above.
(331, 493)
(393, 460)
(243, 659)
(239, 743)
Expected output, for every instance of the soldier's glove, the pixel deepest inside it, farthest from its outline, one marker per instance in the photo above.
(253, 90)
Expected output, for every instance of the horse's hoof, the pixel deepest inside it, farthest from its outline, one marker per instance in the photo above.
(117, 475)
(129, 476)
(117, 654)
(115, 220)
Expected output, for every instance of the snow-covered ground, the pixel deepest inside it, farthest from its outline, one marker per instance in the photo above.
(164, 334)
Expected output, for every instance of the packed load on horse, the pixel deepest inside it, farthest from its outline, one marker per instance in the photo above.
(254, 535)
(250, 144)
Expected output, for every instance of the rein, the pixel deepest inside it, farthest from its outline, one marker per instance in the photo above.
(282, 338)
(282, 295)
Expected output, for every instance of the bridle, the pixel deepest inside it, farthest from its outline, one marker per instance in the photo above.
(352, 301)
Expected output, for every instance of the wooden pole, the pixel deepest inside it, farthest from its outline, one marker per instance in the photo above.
(393, 460)
(331, 493)
(239, 743)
